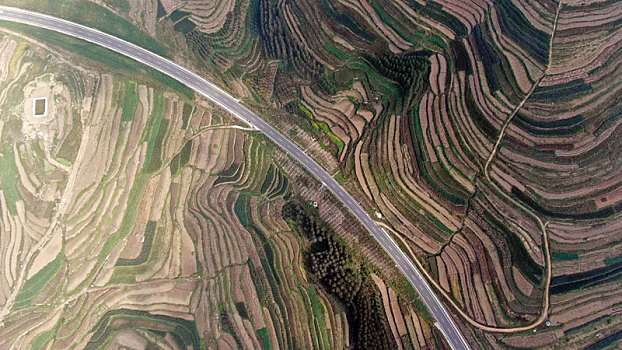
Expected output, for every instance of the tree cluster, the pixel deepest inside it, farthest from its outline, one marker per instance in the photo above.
(407, 69)
(279, 43)
(329, 261)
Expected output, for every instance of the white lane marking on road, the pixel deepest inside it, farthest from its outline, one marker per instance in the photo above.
(223, 99)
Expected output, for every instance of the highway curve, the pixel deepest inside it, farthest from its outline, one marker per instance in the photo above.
(443, 320)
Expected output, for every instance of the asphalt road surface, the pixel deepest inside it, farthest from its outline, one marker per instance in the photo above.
(444, 322)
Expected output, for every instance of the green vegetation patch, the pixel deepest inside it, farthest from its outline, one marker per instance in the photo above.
(564, 256)
(130, 102)
(153, 135)
(318, 314)
(241, 209)
(186, 114)
(613, 260)
(9, 176)
(43, 339)
(279, 42)
(156, 156)
(36, 283)
(323, 127)
(231, 174)
(265, 338)
(336, 140)
(346, 20)
(519, 255)
(181, 159)
(335, 51)
(330, 262)
(408, 70)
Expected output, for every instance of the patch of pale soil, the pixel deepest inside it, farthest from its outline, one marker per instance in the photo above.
(524, 286)
(410, 231)
(107, 268)
(397, 314)
(170, 5)
(161, 194)
(271, 331)
(359, 170)
(43, 127)
(241, 90)
(252, 300)
(492, 250)
(341, 41)
(426, 22)
(226, 341)
(32, 231)
(244, 329)
(129, 339)
(187, 251)
(535, 340)
(425, 328)
(442, 274)
(145, 13)
(74, 278)
(388, 309)
(396, 43)
(346, 107)
(43, 324)
(210, 16)
(134, 240)
(47, 254)
(483, 301)
(586, 306)
(174, 267)
(30, 183)
(418, 331)
(7, 49)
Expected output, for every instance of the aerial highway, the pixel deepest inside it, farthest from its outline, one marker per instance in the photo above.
(443, 320)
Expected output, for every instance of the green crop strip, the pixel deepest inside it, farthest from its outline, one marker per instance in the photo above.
(130, 102)
(9, 176)
(38, 282)
(324, 127)
(265, 338)
(335, 51)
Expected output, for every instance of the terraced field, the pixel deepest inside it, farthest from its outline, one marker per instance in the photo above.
(483, 134)
(133, 217)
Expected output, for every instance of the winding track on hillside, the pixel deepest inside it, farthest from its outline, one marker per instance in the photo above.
(444, 321)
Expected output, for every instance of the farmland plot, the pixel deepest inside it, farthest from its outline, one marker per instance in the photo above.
(483, 133)
(134, 217)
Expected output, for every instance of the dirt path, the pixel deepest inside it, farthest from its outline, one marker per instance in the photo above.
(542, 225)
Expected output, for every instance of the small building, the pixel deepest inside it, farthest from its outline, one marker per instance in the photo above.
(39, 107)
